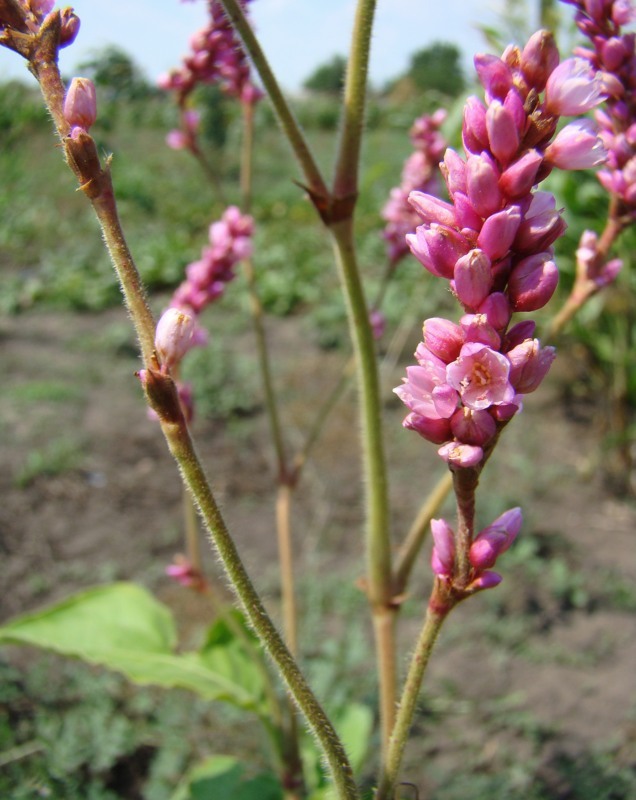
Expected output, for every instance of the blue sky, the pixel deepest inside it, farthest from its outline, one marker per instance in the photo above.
(297, 35)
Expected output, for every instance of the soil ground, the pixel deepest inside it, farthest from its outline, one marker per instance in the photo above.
(543, 670)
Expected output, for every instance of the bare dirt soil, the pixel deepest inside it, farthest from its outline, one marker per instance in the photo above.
(543, 670)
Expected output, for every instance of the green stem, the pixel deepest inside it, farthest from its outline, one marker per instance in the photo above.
(408, 704)
(256, 307)
(346, 173)
(313, 176)
(374, 462)
(379, 573)
(129, 278)
(182, 449)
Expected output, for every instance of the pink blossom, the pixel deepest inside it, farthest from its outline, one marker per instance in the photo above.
(480, 376)
(577, 146)
(573, 88)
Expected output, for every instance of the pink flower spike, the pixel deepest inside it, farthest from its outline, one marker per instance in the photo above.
(577, 146)
(533, 282)
(80, 104)
(480, 375)
(443, 556)
(573, 88)
(461, 455)
(173, 336)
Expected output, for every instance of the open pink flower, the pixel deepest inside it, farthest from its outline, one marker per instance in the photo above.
(480, 375)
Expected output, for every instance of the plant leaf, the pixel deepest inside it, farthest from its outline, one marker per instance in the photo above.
(123, 627)
(220, 777)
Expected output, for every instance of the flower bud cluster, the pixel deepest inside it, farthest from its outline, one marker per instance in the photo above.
(27, 16)
(230, 241)
(613, 52)
(178, 329)
(420, 173)
(217, 57)
(486, 548)
(493, 243)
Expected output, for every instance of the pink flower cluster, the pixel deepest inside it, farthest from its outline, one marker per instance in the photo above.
(178, 329)
(486, 548)
(420, 173)
(217, 57)
(230, 241)
(493, 243)
(613, 52)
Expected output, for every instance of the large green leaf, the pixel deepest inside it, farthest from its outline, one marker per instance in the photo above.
(220, 778)
(122, 627)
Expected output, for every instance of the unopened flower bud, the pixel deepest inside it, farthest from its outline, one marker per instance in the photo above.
(502, 132)
(70, 26)
(473, 278)
(433, 430)
(529, 364)
(461, 455)
(80, 104)
(443, 555)
(173, 336)
(539, 59)
(443, 338)
(532, 282)
(473, 427)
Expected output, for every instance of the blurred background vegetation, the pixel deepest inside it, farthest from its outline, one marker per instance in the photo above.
(51, 256)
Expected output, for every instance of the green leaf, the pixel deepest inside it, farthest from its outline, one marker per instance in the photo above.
(220, 777)
(122, 627)
(354, 726)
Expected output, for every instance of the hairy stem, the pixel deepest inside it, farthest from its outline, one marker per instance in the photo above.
(408, 704)
(379, 575)
(182, 448)
(346, 173)
(285, 116)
